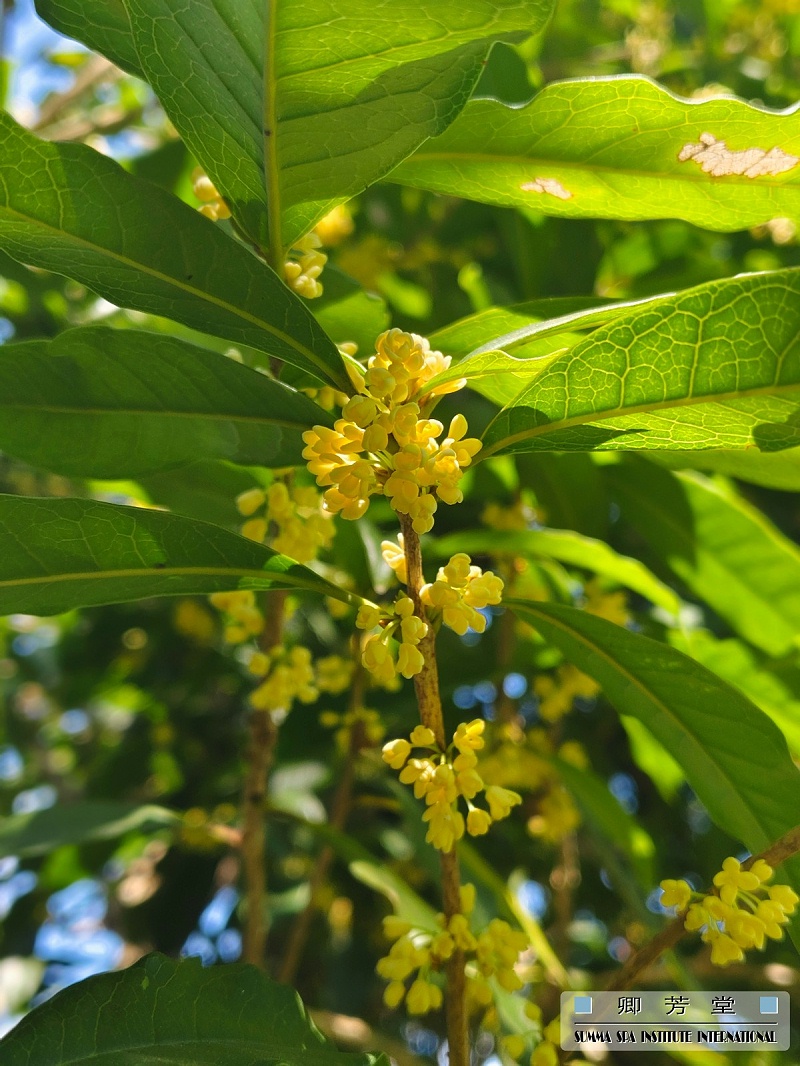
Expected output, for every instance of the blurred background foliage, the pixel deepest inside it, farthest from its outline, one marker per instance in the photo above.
(141, 706)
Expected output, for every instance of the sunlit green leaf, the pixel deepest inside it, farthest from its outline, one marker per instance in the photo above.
(714, 367)
(720, 546)
(56, 554)
(105, 403)
(71, 210)
(619, 148)
(294, 107)
(101, 24)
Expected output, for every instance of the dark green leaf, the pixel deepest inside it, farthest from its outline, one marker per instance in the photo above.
(619, 148)
(714, 367)
(164, 1013)
(69, 209)
(726, 746)
(58, 554)
(77, 823)
(105, 403)
(720, 546)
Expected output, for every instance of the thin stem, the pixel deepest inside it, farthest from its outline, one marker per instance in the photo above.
(783, 849)
(259, 757)
(426, 684)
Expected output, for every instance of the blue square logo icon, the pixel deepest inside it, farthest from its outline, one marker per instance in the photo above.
(583, 1004)
(768, 1004)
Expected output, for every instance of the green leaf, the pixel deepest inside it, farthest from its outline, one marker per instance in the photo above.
(774, 687)
(568, 547)
(174, 1014)
(69, 209)
(487, 329)
(105, 403)
(727, 552)
(56, 554)
(726, 746)
(40, 832)
(714, 367)
(292, 107)
(619, 147)
(499, 376)
(102, 25)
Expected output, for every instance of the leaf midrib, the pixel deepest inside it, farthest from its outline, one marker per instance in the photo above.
(191, 290)
(732, 180)
(618, 412)
(646, 692)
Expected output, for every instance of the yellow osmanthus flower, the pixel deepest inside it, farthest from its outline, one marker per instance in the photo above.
(244, 619)
(418, 954)
(613, 606)
(214, 207)
(363, 719)
(744, 915)
(335, 226)
(293, 519)
(557, 692)
(459, 590)
(304, 266)
(443, 778)
(395, 627)
(557, 816)
(384, 445)
(289, 677)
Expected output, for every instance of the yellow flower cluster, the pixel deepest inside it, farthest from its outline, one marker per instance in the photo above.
(613, 606)
(288, 675)
(525, 762)
(304, 266)
(742, 915)
(301, 527)
(444, 777)
(334, 674)
(214, 207)
(382, 444)
(366, 721)
(459, 590)
(492, 953)
(398, 626)
(558, 692)
(335, 226)
(244, 619)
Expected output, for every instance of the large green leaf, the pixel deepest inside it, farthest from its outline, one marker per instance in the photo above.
(160, 1012)
(105, 403)
(294, 106)
(714, 367)
(726, 746)
(619, 148)
(774, 687)
(568, 547)
(101, 24)
(40, 832)
(69, 209)
(727, 552)
(58, 554)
